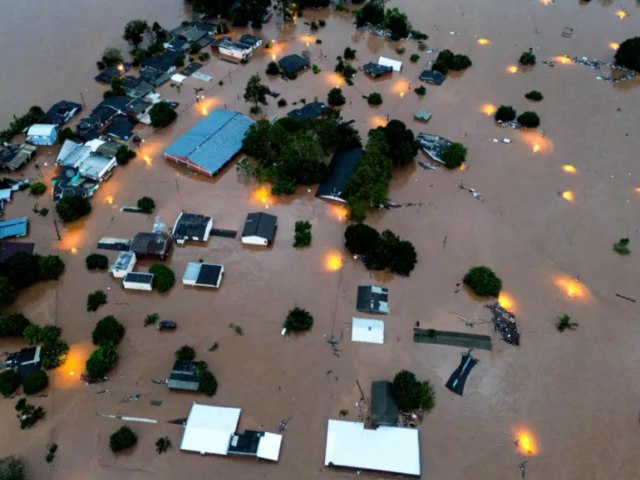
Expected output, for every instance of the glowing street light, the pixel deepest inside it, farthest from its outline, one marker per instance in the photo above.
(489, 109)
(614, 46)
(483, 41)
(569, 168)
(622, 14)
(568, 196)
(512, 69)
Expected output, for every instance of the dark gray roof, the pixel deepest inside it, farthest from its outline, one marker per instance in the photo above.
(260, 224)
(384, 410)
(310, 110)
(106, 75)
(70, 183)
(24, 361)
(15, 156)
(7, 249)
(376, 70)
(373, 299)
(293, 63)
(245, 443)
(137, 106)
(209, 274)
(61, 112)
(184, 376)
(433, 77)
(250, 40)
(120, 127)
(191, 225)
(139, 277)
(191, 68)
(341, 167)
(151, 244)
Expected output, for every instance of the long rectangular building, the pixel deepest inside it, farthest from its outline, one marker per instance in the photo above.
(211, 143)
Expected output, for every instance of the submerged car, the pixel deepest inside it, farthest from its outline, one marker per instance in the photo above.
(167, 325)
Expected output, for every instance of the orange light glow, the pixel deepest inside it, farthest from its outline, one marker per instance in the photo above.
(489, 109)
(572, 287)
(546, 2)
(147, 160)
(569, 168)
(637, 189)
(400, 87)
(67, 375)
(377, 121)
(614, 46)
(526, 442)
(462, 167)
(338, 212)
(332, 261)
(273, 57)
(74, 251)
(109, 200)
(483, 41)
(206, 104)
(565, 60)
(507, 302)
(536, 148)
(537, 142)
(568, 196)
(512, 69)
(622, 14)
(262, 195)
(333, 79)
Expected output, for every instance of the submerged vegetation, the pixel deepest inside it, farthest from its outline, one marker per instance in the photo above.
(483, 281)
(447, 60)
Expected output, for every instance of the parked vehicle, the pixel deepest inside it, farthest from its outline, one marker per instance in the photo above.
(167, 325)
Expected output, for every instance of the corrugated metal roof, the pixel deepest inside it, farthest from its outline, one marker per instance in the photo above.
(16, 227)
(213, 141)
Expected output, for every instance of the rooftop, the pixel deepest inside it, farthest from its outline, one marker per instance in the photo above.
(41, 130)
(212, 142)
(373, 299)
(203, 274)
(151, 244)
(184, 376)
(376, 70)
(61, 112)
(293, 63)
(367, 330)
(14, 156)
(384, 410)
(7, 249)
(209, 429)
(192, 226)
(310, 110)
(342, 165)
(260, 224)
(139, 277)
(433, 77)
(15, 227)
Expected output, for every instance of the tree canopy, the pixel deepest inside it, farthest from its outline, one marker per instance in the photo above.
(298, 320)
(411, 394)
(401, 142)
(534, 96)
(162, 114)
(628, 54)
(185, 353)
(108, 330)
(146, 204)
(527, 58)
(13, 325)
(95, 300)
(12, 468)
(483, 281)
(505, 113)
(255, 93)
(101, 361)
(335, 98)
(447, 60)
(35, 381)
(163, 277)
(123, 155)
(134, 31)
(529, 120)
(207, 383)
(97, 261)
(454, 156)
(72, 208)
(122, 439)
(9, 382)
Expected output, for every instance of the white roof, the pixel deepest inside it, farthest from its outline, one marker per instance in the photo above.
(388, 62)
(386, 449)
(5, 194)
(209, 429)
(41, 130)
(367, 330)
(269, 446)
(178, 78)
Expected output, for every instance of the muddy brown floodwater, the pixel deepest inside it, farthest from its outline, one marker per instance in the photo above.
(553, 203)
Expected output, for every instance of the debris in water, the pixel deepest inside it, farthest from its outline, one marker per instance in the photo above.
(505, 322)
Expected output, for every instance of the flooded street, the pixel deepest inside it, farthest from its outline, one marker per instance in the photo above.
(553, 202)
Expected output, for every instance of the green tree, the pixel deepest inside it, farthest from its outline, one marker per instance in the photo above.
(35, 381)
(372, 12)
(529, 120)
(185, 354)
(97, 261)
(534, 96)
(123, 155)
(134, 31)
(162, 114)
(505, 113)
(122, 439)
(255, 93)
(21, 269)
(564, 323)
(628, 54)
(179, 61)
(622, 246)
(108, 330)
(401, 142)
(13, 325)
(483, 281)
(396, 22)
(101, 361)
(163, 444)
(111, 56)
(12, 468)
(33, 334)
(50, 267)
(163, 277)
(65, 134)
(411, 394)
(335, 98)
(207, 383)
(8, 292)
(298, 320)
(361, 239)
(527, 58)
(117, 86)
(54, 352)
(454, 156)
(349, 53)
(273, 69)
(9, 382)
(37, 188)
(374, 99)
(414, 58)
(72, 208)
(421, 90)
(146, 204)
(95, 300)
(302, 237)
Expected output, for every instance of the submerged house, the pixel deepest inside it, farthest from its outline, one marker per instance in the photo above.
(89, 127)
(24, 361)
(14, 156)
(211, 143)
(343, 164)
(136, 87)
(313, 110)
(63, 111)
(184, 376)
(433, 145)
(138, 281)
(157, 70)
(259, 229)
(432, 77)
(373, 299)
(42, 134)
(124, 264)
(15, 227)
(293, 63)
(375, 70)
(151, 245)
(384, 410)
(192, 226)
(199, 274)
(396, 65)
(89, 159)
(367, 330)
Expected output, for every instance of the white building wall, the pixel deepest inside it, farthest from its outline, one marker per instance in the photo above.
(253, 240)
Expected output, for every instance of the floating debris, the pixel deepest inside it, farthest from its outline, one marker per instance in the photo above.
(505, 322)
(427, 166)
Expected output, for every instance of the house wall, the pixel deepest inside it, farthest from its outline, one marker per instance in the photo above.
(232, 52)
(43, 140)
(189, 164)
(136, 286)
(253, 240)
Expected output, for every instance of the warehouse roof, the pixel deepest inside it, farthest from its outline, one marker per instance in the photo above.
(213, 141)
(15, 227)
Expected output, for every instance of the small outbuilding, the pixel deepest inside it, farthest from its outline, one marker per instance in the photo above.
(250, 40)
(384, 410)
(343, 164)
(293, 63)
(313, 110)
(42, 134)
(14, 156)
(375, 70)
(123, 265)
(192, 226)
(203, 274)
(422, 116)
(184, 376)
(151, 245)
(138, 281)
(367, 330)
(24, 361)
(396, 65)
(373, 299)
(259, 229)
(432, 77)
(15, 227)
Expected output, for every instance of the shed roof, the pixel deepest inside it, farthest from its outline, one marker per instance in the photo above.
(342, 165)
(15, 227)
(139, 277)
(191, 225)
(384, 410)
(293, 63)
(310, 110)
(151, 243)
(385, 449)
(7, 249)
(373, 299)
(41, 130)
(260, 224)
(209, 429)
(367, 330)
(213, 141)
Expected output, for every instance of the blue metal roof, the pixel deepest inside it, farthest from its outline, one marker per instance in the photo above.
(213, 141)
(16, 227)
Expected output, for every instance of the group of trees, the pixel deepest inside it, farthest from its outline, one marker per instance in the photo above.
(95, 300)
(411, 394)
(534, 96)
(527, 58)
(123, 155)
(207, 382)
(447, 60)
(34, 115)
(12, 468)
(146, 204)
(54, 349)
(345, 69)
(73, 207)
(37, 188)
(96, 261)
(291, 152)
(506, 113)
(256, 92)
(381, 251)
(374, 99)
(22, 270)
(393, 20)
(122, 439)
(107, 334)
(335, 97)
(388, 146)
(302, 236)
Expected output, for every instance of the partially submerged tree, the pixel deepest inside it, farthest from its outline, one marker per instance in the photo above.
(483, 281)
(12, 468)
(35, 381)
(401, 142)
(302, 236)
(534, 96)
(95, 300)
(298, 320)
(97, 261)
(410, 394)
(255, 93)
(185, 354)
(505, 113)
(101, 361)
(122, 439)
(335, 98)
(622, 246)
(207, 383)
(108, 330)
(37, 188)
(134, 31)
(162, 114)
(163, 444)
(123, 155)
(564, 323)
(9, 382)
(374, 99)
(111, 56)
(628, 54)
(163, 277)
(454, 156)
(527, 58)
(529, 120)
(72, 208)
(146, 204)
